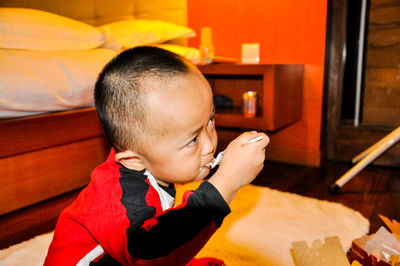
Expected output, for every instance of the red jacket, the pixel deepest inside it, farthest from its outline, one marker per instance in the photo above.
(119, 219)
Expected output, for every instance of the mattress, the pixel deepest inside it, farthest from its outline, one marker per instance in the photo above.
(35, 82)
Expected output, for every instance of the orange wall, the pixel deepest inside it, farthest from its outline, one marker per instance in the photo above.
(289, 31)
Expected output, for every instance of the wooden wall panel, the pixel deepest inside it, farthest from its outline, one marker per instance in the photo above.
(382, 79)
(344, 141)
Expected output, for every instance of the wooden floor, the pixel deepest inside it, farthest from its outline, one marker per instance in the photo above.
(374, 191)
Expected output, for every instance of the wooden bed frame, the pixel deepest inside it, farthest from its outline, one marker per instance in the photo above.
(42, 158)
(45, 156)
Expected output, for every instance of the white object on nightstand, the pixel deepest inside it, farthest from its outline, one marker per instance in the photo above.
(250, 53)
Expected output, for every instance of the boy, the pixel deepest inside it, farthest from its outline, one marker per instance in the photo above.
(157, 111)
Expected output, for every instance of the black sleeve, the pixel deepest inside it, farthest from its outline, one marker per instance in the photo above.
(178, 225)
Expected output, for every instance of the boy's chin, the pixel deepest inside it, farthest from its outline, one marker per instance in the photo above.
(203, 173)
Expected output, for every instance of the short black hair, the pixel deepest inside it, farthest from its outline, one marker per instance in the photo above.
(119, 93)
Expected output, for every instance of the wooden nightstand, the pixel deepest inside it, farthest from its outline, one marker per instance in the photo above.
(279, 88)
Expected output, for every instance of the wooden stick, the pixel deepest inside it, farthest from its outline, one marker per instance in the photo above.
(384, 145)
(391, 135)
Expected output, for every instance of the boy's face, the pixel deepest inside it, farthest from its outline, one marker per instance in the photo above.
(185, 112)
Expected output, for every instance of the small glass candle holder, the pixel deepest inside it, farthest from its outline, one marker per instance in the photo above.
(250, 103)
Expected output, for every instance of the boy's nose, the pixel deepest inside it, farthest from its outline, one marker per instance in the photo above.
(208, 145)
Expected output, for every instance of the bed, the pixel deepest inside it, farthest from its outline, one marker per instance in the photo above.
(50, 135)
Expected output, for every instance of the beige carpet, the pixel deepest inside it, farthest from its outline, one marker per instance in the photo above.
(259, 231)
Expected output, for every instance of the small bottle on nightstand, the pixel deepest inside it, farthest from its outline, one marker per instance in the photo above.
(206, 47)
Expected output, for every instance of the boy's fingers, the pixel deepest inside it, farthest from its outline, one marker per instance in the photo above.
(265, 139)
(261, 142)
(246, 137)
(253, 137)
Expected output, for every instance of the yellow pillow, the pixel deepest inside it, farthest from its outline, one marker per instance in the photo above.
(129, 33)
(25, 28)
(190, 53)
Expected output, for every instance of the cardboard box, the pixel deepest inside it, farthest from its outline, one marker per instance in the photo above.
(379, 249)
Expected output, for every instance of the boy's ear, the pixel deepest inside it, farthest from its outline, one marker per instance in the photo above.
(130, 160)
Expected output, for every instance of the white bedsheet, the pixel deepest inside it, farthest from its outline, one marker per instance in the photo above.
(34, 82)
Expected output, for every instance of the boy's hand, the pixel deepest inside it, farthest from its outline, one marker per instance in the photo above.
(241, 163)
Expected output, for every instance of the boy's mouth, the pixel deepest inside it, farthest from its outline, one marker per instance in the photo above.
(208, 165)
(204, 171)
(214, 162)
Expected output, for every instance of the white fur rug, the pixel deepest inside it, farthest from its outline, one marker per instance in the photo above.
(259, 231)
(31, 252)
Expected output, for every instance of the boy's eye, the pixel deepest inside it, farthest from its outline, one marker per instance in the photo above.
(192, 142)
(211, 119)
